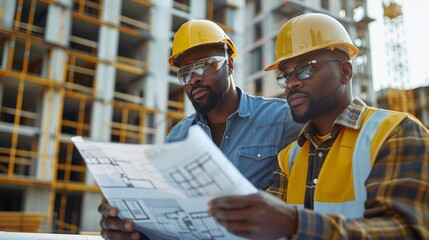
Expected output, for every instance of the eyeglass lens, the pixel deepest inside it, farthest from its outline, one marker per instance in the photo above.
(204, 67)
(303, 71)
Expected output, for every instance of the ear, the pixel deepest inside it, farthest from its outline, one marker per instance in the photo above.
(346, 72)
(230, 65)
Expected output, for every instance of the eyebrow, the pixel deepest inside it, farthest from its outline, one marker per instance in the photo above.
(306, 60)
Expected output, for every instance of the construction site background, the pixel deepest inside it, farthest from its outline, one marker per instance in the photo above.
(99, 69)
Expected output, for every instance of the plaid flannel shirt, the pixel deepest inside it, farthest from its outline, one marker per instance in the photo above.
(397, 205)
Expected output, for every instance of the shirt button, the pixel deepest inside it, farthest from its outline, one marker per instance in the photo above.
(315, 180)
(259, 155)
(226, 137)
(320, 154)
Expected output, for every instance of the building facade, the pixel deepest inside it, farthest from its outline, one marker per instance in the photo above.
(414, 101)
(99, 69)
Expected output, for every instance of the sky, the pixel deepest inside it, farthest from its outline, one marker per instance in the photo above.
(416, 24)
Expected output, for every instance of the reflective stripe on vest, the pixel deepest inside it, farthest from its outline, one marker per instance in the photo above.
(345, 200)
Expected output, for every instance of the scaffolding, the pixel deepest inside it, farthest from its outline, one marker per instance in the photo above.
(398, 98)
(63, 74)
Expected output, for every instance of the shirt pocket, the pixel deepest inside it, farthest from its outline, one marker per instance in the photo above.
(257, 164)
(258, 153)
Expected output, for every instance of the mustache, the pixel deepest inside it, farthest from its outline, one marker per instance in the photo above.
(199, 86)
(296, 91)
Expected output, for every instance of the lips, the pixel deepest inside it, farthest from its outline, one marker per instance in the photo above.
(296, 99)
(198, 92)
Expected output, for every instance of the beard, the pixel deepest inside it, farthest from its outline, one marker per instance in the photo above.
(211, 103)
(318, 107)
(214, 98)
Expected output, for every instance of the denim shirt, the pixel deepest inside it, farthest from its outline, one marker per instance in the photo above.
(254, 134)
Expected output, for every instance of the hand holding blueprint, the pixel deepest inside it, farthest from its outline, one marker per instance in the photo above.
(165, 188)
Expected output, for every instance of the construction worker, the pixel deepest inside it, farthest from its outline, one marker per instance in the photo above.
(355, 172)
(249, 130)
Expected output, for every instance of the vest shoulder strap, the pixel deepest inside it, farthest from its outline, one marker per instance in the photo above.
(378, 127)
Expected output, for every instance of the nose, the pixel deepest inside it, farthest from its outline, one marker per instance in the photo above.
(195, 78)
(293, 83)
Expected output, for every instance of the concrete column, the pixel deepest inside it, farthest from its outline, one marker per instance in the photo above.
(335, 6)
(109, 36)
(156, 89)
(36, 199)
(106, 73)
(7, 13)
(58, 25)
(89, 218)
(350, 7)
(195, 9)
(101, 116)
(102, 110)
(4, 56)
(57, 32)
(50, 113)
(270, 29)
(312, 3)
(111, 11)
(239, 39)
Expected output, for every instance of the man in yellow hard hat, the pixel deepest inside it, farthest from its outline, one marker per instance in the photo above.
(355, 172)
(249, 130)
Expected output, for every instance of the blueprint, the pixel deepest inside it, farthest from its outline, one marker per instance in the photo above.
(165, 188)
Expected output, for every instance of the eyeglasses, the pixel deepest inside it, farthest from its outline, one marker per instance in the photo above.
(303, 71)
(202, 67)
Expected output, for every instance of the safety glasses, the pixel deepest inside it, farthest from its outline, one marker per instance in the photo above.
(202, 67)
(302, 71)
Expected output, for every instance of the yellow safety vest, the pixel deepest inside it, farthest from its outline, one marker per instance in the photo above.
(340, 187)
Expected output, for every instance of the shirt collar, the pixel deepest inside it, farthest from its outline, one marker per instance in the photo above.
(243, 105)
(351, 117)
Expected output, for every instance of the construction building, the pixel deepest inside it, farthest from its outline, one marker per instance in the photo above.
(414, 101)
(395, 97)
(398, 96)
(396, 50)
(99, 69)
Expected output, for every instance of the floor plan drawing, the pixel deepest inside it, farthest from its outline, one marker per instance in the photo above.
(201, 177)
(115, 171)
(170, 217)
(165, 189)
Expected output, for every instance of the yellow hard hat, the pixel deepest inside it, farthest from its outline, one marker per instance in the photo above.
(310, 32)
(196, 33)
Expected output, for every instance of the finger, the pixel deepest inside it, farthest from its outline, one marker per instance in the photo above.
(230, 214)
(239, 225)
(234, 201)
(118, 235)
(115, 224)
(107, 210)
